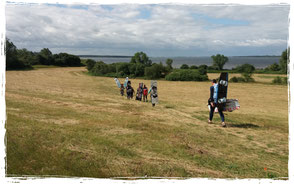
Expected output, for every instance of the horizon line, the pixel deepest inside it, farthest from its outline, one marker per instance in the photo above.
(127, 56)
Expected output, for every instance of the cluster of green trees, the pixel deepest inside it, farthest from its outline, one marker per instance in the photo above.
(141, 66)
(283, 62)
(247, 70)
(187, 75)
(137, 67)
(23, 58)
(219, 61)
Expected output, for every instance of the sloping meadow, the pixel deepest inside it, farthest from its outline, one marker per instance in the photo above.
(61, 121)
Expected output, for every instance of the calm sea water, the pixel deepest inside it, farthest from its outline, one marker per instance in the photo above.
(257, 61)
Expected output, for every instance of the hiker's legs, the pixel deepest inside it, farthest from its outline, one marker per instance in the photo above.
(211, 113)
(222, 115)
(223, 118)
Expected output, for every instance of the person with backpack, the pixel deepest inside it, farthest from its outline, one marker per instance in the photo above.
(154, 95)
(139, 92)
(214, 104)
(145, 93)
(129, 90)
(122, 89)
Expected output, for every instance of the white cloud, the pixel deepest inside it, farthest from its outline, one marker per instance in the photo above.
(125, 29)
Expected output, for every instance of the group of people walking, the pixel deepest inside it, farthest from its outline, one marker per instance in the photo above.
(141, 94)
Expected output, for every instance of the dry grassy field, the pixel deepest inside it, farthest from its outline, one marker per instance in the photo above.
(61, 121)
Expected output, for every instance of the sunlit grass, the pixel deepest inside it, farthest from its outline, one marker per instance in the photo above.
(61, 121)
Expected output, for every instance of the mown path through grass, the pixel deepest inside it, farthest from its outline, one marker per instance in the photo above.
(61, 121)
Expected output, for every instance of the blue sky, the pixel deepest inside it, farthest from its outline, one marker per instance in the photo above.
(157, 29)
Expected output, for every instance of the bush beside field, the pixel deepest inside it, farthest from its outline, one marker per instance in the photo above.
(187, 75)
(280, 80)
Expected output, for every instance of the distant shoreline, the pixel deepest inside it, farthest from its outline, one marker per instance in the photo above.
(234, 61)
(112, 56)
(119, 56)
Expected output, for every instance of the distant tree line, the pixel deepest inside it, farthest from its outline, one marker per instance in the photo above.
(219, 61)
(246, 70)
(23, 58)
(283, 63)
(141, 66)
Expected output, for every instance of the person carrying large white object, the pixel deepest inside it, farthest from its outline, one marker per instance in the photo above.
(231, 105)
(153, 93)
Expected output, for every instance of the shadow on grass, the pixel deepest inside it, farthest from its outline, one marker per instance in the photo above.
(244, 125)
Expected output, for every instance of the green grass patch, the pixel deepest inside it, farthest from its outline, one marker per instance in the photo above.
(45, 66)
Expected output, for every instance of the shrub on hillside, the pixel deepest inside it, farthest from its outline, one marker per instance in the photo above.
(90, 64)
(280, 80)
(193, 67)
(284, 60)
(173, 76)
(64, 59)
(169, 66)
(112, 67)
(234, 79)
(137, 69)
(99, 69)
(27, 57)
(123, 69)
(186, 75)
(237, 79)
(212, 68)
(112, 75)
(246, 70)
(12, 60)
(273, 67)
(155, 71)
(184, 66)
(205, 67)
(45, 57)
(202, 71)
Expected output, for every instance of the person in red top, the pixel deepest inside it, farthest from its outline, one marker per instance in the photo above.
(145, 93)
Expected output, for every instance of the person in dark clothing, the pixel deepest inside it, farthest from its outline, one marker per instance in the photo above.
(122, 90)
(139, 92)
(129, 90)
(214, 104)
